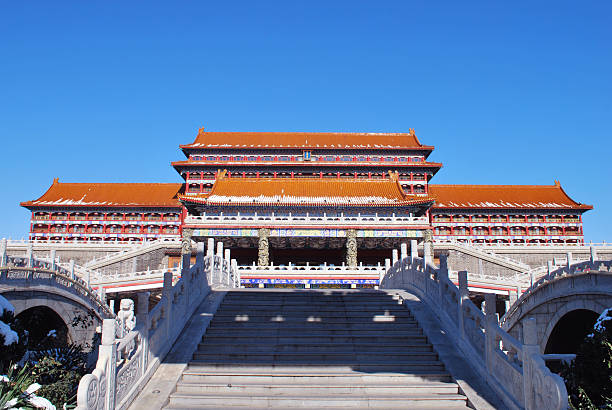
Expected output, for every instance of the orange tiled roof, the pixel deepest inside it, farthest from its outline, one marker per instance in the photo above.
(504, 197)
(306, 140)
(305, 191)
(108, 194)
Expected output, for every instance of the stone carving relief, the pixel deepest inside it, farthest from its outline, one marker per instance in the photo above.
(351, 248)
(263, 258)
(186, 240)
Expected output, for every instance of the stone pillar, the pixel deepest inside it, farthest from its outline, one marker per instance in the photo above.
(3, 252)
(427, 256)
(403, 250)
(593, 256)
(512, 297)
(569, 262)
(263, 250)
(30, 255)
(142, 318)
(549, 267)
(428, 242)
(414, 251)
(351, 248)
(394, 256)
(463, 297)
(72, 275)
(491, 321)
(200, 256)
(220, 249)
(186, 248)
(51, 259)
(210, 247)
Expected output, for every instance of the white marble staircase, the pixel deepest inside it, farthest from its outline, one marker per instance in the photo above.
(314, 349)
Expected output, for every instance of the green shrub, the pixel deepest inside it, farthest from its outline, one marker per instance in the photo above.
(589, 377)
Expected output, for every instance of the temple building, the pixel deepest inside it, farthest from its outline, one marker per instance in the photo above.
(105, 212)
(339, 198)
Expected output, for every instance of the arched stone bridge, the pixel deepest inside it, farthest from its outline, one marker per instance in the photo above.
(31, 284)
(565, 304)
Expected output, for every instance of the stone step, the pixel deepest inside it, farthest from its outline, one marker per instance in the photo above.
(312, 347)
(294, 331)
(308, 305)
(308, 326)
(280, 376)
(339, 316)
(318, 401)
(360, 315)
(301, 389)
(335, 367)
(315, 357)
(290, 339)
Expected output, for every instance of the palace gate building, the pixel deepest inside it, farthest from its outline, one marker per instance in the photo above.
(289, 197)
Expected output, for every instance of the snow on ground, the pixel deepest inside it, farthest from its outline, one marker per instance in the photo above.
(10, 336)
(5, 306)
(605, 316)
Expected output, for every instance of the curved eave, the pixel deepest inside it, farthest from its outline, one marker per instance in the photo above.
(580, 207)
(29, 205)
(188, 147)
(178, 164)
(205, 201)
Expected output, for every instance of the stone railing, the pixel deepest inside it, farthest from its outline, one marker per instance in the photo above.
(26, 272)
(544, 246)
(133, 251)
(484, 253)
(295, 220)
(127, 361)
(515, 370)
(553, 273)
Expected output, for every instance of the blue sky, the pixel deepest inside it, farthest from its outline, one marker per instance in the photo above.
(508, 92)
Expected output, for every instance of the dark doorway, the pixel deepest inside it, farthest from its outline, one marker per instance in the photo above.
(244, 256)
(570, 331)
(374, 256)
(299, 256)
(45, 327)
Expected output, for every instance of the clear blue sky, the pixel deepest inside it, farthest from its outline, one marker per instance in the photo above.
(508, 92)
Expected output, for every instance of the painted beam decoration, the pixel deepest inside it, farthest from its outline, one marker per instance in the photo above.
(301, 233)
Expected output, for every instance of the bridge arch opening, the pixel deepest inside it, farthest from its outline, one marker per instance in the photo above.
(44, 327)
(570, 331)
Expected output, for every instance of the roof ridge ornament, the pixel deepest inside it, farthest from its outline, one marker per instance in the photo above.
(411, 132)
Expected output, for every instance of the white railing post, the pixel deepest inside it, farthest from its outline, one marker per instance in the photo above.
(463, 297)
(3, 252)
(593, 257)
(135, 264)
(30, 255)
(167, 298)
(549, 267)
(414, 252)
(403, 250)
(569, 262)
(200, 256)
(142, 321)
(427, 260)
(530, 347)
(236, 275)
(72, 275)
(53, 264)
(227, 266)
(394, 256)
(490, 326)
(108, 349)
(220, 249)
